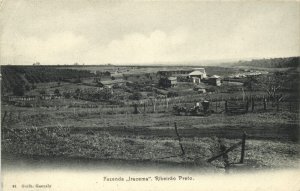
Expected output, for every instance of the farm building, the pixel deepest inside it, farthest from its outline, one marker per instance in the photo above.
(202, 70)
(169, 73)
(197, 74)
(196, 80)
(215, 80)
(168, 82)
(111, 83)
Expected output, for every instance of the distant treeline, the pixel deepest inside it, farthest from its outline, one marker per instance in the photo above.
(14, 77)
(290, 62)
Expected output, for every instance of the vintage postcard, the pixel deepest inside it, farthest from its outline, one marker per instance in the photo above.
(149, 95)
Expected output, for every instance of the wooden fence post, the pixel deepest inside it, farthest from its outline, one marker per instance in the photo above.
(2, 121)
(3, 118)
(265, 104)
(252, 105)
(135, 109)
(179, 139)
(167, 104)
(154, 104)
(243, 148)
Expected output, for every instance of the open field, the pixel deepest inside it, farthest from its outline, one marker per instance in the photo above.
(75, 117)
(151, 137)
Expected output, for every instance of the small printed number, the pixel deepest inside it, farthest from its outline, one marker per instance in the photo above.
(14, 186)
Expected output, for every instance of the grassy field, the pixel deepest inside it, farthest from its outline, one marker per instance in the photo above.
(103, 145)
(72, 127)
(151, 137)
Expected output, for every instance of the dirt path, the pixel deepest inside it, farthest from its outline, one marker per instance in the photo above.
(287, 132)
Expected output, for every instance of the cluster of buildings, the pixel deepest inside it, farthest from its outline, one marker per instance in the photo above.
(165, 78)
(197, 76)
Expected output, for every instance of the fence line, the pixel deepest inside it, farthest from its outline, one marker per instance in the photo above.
(251, 104)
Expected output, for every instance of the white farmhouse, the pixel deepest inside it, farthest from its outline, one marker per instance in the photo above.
(197, 75)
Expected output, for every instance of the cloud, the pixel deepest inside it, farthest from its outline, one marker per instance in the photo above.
(137, 47)
(99, 33)
(56, 49)
(68, 48)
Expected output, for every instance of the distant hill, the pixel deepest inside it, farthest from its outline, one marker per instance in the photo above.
(290, 62)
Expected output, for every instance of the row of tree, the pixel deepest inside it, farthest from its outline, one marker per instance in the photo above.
(18, 79)
(275, 84)
(273, 62)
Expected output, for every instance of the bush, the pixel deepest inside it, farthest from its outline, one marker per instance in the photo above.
(136, 96)
(172, 94)
(211, 89)
(78, 80)
(67, 95)
(42, 92)
(56, 92)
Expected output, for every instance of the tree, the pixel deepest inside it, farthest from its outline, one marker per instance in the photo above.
(77, 93)
(272, 84)
(78, 80)
(107, 94)
(107, 73)
(42, 92)
(27, 87)
(251, 83)
(56, 92)
(67, 95)
(33, 86)
(136, 96)
(19, 90)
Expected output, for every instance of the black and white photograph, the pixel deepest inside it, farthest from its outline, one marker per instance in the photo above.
(149, 95)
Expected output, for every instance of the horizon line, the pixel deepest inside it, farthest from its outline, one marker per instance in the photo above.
(159, 63)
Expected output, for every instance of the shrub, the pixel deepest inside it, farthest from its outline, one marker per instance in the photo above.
(42, 92)
(67, 95)
(136, 96)
(172, 94)
(56, 92)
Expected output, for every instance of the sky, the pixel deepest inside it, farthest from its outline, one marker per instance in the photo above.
(122, 32)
